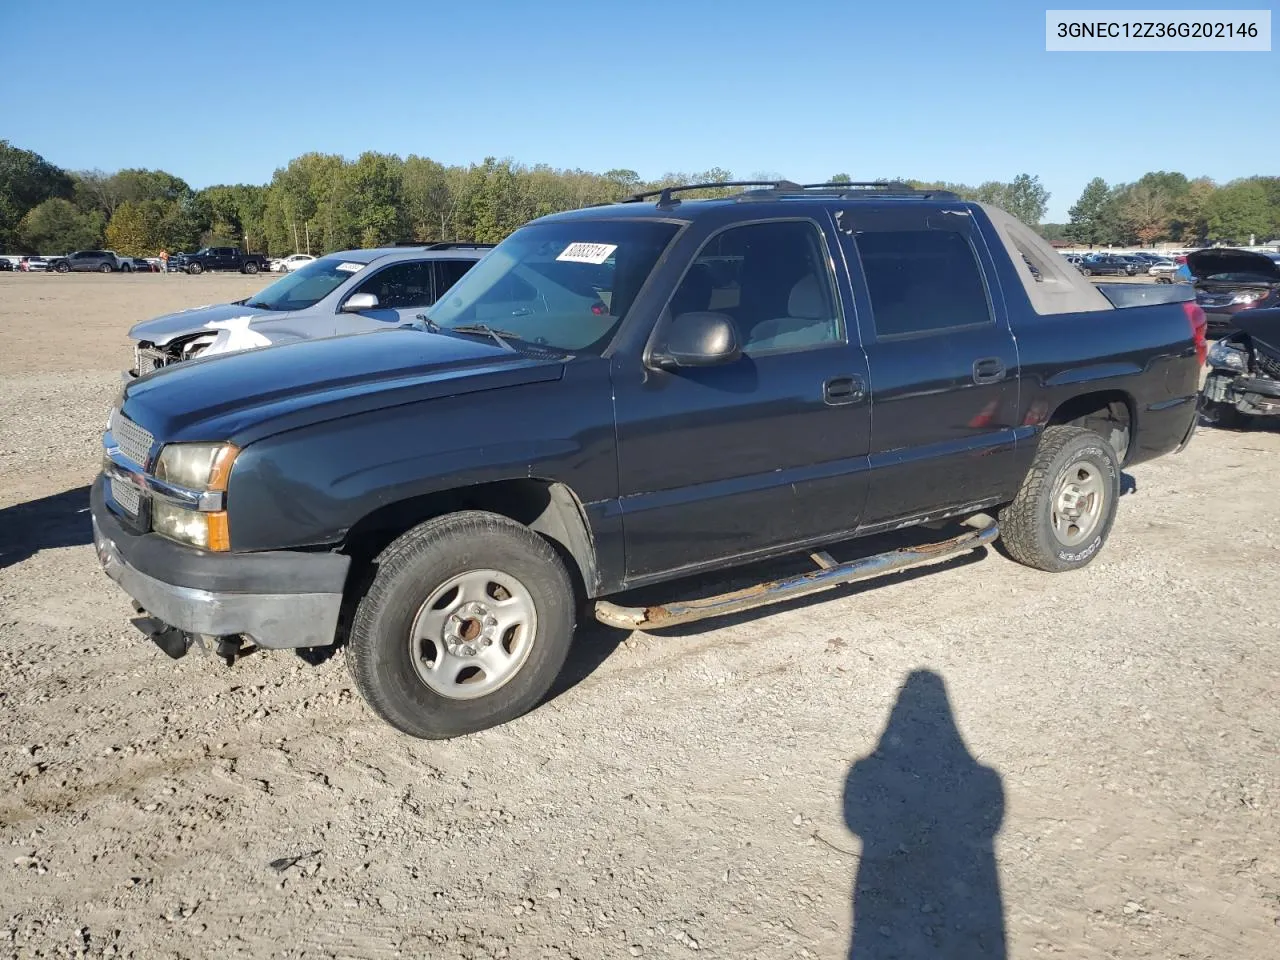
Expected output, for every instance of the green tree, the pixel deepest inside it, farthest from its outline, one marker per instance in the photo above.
(366, 207)
(26, 180)
(57, 226)
(425, 191)
(1238, 210)
(135, 228)
(840, 178)
(1086, 216)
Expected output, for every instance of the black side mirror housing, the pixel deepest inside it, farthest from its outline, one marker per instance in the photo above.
(699, 339)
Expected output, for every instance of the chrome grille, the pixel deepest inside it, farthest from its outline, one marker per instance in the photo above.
(126, 494)
(147, 360)
(133, 441)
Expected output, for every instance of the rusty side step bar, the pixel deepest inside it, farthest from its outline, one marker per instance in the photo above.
(829, 574)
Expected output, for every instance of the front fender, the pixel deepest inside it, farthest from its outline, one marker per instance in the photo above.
(309, 486)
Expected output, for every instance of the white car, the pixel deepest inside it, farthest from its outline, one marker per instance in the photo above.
(293, 262)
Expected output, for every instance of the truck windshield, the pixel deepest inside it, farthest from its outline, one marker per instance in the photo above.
(566, 285)
(306, 286)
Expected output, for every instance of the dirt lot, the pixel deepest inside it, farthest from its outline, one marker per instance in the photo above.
(1088, 765)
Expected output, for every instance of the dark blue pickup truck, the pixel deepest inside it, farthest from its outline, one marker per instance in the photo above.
(626, 395)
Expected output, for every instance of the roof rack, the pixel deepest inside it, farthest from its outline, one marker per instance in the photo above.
(665, 198)
(779, 188)
(441, 244)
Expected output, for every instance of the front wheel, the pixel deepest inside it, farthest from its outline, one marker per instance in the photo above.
(250, 268)
(195, 268)
(62, 268)
(465, 626)
(1086, 271)
(1064, 510)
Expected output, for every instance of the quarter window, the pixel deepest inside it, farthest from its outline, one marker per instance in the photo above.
(922, 280)
(771, 279)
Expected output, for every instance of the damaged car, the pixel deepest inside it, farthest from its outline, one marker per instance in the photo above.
(352, 291)
(1244, 372)
(1230, 282)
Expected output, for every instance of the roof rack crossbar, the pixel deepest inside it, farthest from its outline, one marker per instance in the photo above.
(664, 194)
(458, 244)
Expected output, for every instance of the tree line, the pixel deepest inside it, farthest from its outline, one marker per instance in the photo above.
(1170, 207)
(320, 202)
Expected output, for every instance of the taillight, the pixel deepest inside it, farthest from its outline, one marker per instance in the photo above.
(1195, 317)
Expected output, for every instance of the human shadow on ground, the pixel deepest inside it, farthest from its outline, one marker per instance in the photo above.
(927, 814)
(60, 520)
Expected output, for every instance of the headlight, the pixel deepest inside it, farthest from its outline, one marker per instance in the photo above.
(202, 469)
(208, 531)
(1225, 357)
(1251, 296)
(196, 466)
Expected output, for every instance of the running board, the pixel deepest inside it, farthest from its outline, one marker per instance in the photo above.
(829, 574)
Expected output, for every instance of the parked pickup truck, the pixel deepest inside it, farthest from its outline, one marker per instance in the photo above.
(220, 258)
(622, 396)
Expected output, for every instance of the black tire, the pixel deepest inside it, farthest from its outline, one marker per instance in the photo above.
(127, 268)
(62, 268)
(1027, 524)
(195, 268)
(379, 653)
(1086, 271)
(105, 268)
(250, 268)
(1225, 416)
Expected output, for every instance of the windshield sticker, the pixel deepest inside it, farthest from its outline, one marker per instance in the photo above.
(349, 267)
(596, 253)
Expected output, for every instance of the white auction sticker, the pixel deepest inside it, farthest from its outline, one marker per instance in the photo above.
(349, 267)
(587, 252)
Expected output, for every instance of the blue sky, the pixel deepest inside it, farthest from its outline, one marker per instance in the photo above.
(806, 88)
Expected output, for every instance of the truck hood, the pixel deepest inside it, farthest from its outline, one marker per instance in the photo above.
(242, 397)
(1208, 263)
(161, 330)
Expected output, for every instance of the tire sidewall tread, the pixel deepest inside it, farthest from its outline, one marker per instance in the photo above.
(1026, 528)
(407, 572)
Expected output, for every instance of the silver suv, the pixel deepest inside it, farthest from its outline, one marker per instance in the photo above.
(353, 291)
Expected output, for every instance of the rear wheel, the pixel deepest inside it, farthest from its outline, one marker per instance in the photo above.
(1066, 506)
(105, 268)
(1086, 271)
(465, 626)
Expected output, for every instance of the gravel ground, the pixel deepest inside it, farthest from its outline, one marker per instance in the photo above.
(1082, 765)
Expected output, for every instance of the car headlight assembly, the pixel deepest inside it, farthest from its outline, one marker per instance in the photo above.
(190, 505)
(1249, 296)
(1224, 357)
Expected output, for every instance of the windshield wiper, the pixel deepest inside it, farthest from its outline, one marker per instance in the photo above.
(499, 336)
(423, 322)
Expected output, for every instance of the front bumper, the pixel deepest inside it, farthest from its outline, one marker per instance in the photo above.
(279, 600)
(1256, 396)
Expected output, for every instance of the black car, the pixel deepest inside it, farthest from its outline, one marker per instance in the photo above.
(1107, 265)
(1230, 281)
(624, 396)
(6, 265)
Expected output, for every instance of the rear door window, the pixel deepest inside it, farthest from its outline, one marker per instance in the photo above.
(921, 281)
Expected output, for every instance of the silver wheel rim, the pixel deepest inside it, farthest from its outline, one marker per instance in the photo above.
(473, 634)
(1078, 503)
